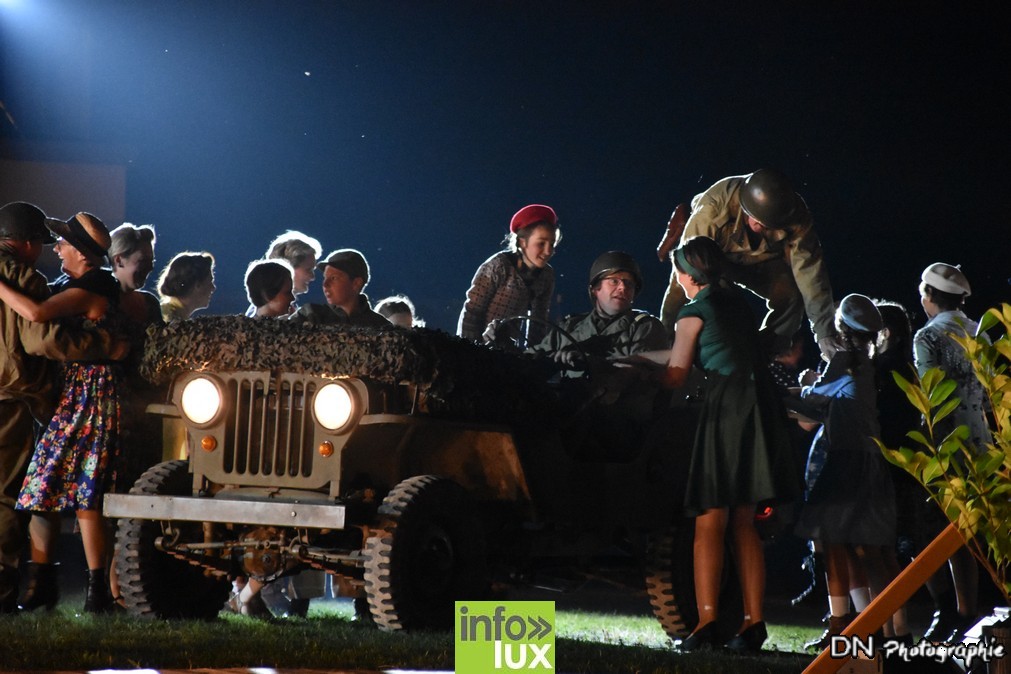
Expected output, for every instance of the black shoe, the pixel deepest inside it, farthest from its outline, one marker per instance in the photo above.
(836, 624)
(702, 639)
(98, 598)
(941, 625)
(750, 640)
(43, 589)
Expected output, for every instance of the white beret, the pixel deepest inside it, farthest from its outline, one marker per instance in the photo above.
(946, 278)
(860, 313)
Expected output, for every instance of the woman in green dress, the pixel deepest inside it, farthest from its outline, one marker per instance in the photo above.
(742, 453)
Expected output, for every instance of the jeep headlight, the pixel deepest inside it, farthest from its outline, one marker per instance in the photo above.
(201, 400)
(334, 405)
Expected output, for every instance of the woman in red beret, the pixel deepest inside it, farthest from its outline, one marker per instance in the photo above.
(517, 281)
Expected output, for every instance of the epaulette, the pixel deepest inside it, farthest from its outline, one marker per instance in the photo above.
(641, 315)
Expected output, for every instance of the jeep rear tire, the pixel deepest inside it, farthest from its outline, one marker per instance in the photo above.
(428, 551)
(153, 583)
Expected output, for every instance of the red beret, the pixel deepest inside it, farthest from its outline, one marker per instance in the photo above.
(531, 215)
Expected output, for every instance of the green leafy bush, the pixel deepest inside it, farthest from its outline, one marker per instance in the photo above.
(972, 485)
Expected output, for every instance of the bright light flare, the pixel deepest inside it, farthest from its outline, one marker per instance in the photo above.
(201, 400)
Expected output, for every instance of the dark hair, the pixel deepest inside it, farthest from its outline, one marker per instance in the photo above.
(899, 355)
(701, 258)
(265, 279)
(944, 301)
(128, 238)
(295, 247)
(394, 304)
(895, 319)
(183, 272)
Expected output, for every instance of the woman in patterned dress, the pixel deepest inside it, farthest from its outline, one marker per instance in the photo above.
(74, 460)
(517, 281)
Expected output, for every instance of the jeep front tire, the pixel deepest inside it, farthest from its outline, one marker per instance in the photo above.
(427, 552)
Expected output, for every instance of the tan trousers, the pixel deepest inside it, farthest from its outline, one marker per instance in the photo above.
(17, 439)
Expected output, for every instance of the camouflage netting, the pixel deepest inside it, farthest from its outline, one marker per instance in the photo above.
(458, 377)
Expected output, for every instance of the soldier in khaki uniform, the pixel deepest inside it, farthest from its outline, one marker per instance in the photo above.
(765, 231)
(27, 379)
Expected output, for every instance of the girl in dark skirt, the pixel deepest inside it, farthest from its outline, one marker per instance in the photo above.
(742, 453)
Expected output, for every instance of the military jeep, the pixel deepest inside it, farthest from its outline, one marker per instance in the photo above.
(413, 467)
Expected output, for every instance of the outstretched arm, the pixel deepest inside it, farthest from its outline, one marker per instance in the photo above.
(677, 359)
(682, 354)
(70, 302)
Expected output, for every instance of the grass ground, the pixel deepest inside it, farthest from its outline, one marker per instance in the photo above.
(587, 641)
(599, 630)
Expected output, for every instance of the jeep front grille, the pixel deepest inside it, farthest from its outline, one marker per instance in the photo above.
(270, 432)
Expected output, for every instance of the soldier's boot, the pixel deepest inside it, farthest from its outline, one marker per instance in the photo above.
(10, 580)
(43, 587)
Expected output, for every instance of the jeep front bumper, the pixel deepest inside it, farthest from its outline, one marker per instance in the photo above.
(192, 509)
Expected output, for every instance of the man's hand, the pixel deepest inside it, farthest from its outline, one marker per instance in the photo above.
(808, 377)
(119, 348)
(567, 357)
(675, 228)
(828, 346)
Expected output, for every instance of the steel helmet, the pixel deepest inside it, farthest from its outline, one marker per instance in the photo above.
(768, 197)
(612, 261)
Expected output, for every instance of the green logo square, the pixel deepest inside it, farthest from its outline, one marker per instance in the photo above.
(504, 636)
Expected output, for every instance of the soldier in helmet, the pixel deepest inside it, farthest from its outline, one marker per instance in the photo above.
(624, 396)
(613, 328)
(764, 229)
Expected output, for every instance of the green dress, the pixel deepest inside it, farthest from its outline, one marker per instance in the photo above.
(742, 452)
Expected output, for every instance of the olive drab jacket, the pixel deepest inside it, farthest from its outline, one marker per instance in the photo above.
(603, 336)
(622, 335)
(717, 213)
(27, 349)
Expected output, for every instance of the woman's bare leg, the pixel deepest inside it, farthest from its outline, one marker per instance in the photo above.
(710, 529)
(750, 556)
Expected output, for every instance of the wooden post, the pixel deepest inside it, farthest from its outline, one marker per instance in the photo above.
(895, 595)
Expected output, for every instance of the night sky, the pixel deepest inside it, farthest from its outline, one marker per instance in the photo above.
(413, 130)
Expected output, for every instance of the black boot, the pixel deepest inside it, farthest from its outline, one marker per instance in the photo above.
(99, 598)
(43, 588)
(10, 579)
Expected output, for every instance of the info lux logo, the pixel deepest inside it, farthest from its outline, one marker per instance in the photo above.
(502, 636)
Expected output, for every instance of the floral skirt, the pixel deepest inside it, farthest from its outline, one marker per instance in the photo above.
(75, 459)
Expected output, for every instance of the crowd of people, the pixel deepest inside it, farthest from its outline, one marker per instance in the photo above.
(71, 401)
